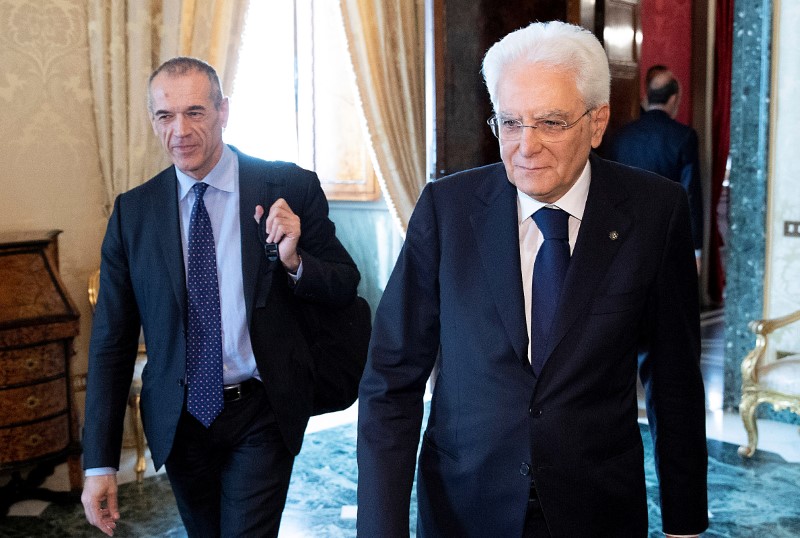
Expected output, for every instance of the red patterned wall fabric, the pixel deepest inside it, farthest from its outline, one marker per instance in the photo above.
(667, 39)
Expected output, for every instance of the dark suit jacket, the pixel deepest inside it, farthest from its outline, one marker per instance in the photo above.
(143, 283)
(657, 143)
(456, 292)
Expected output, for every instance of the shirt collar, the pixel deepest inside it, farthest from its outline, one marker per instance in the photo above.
(220, 177)
(573, 201)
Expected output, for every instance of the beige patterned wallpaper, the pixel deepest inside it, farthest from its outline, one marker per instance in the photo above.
(49, 170)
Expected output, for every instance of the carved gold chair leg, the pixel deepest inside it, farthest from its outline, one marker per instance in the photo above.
(747, 410)
(768, 378)
(138, 433)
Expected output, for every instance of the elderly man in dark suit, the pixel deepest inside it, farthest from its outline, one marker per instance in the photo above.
(227, 390)
(660, 144)
(534, 284)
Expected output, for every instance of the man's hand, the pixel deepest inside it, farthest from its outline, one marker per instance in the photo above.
(283, 228)
(99, 500)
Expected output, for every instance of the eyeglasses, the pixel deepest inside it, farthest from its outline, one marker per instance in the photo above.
(549, 130)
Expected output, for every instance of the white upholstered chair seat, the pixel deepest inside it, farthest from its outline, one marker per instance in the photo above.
(781, 376)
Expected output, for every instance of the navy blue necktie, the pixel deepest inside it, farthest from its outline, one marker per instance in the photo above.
(204, 339)
(549, 271)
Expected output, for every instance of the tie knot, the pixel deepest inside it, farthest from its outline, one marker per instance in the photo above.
(200, 189)
(552, 222)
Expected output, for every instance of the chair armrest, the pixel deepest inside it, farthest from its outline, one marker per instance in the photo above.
(762, 329)
(766, 326)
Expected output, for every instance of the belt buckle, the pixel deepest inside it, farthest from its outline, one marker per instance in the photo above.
(236, 390)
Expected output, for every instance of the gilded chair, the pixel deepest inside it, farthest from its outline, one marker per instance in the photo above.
(134, 396)
(768, 379)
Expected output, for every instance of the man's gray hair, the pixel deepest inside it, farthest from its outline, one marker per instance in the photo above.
(559, 46)
(181, 65)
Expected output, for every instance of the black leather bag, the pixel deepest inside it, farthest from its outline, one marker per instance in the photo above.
(338, 339)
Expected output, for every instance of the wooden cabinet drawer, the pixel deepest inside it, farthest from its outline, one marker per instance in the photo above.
(25, 404)
(35, 440)
(29, 364)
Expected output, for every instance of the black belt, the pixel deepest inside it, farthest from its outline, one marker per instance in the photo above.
(239, 391)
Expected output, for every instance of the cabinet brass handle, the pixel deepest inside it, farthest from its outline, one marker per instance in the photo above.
(32, 363)
(32, 401)
(34, 440)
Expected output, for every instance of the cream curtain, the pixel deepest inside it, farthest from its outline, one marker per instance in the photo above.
(387, 47)
(127, 40)
(211, 30)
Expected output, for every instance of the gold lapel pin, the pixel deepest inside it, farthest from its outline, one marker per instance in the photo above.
(613, 235)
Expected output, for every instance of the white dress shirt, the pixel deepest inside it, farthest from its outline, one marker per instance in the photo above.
(530, 239)
(222, 202)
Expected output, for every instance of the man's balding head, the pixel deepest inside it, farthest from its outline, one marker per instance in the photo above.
(664, 93)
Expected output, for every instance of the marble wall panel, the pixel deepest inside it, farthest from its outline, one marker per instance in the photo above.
(369, 234)
(748, 184)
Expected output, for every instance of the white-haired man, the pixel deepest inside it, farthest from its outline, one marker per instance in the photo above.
(536, 283)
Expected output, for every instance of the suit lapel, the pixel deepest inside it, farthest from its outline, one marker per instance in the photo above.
(496, 232)
(604, 228)
(251, 193)
(165, 210)
(252, 187)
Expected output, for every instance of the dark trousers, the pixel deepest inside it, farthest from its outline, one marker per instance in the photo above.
(231, 479)
(535, 525)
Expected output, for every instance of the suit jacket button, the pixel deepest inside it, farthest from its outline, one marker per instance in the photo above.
(181, 382)
(535, 413)
(524, 469)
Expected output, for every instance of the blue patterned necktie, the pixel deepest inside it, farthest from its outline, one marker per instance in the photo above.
(549, 271)
(204, 339)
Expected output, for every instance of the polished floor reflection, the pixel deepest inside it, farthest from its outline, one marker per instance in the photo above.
(747, 498)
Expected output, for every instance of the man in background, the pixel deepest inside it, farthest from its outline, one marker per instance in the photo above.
(227, 390)
(660, 144)
(652, 71)
(533, 284)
